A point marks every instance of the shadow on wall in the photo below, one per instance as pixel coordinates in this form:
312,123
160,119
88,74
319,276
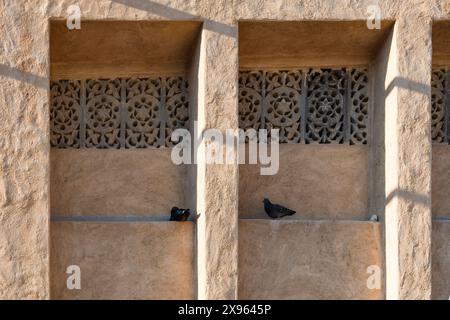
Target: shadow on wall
417,198
24,76
174,14
404,83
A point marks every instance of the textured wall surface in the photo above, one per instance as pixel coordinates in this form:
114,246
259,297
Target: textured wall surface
218,194
116,182
412,157
307,260
121,54
152,260
440,181
317,181
24,132
288,44
441,260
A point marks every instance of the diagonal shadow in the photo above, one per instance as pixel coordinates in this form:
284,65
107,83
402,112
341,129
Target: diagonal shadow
23,76
172,13
404,83
416,198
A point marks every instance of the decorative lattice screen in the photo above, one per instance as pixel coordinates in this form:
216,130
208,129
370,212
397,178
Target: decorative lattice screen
309,106
117,113
440,100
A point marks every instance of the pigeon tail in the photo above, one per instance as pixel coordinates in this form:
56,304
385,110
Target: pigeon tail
290,212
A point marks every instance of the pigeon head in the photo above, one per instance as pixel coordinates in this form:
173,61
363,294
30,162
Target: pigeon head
174,210
266,201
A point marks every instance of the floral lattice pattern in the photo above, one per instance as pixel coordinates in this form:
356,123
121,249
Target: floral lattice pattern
65,114
325,106
117,113
308,106
439,120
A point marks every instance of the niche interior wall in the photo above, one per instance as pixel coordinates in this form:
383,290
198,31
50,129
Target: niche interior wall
316,82
440,170
118,89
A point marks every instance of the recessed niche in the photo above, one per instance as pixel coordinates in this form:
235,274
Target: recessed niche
308,260
112,49
118,90
440,110
314,81
440,169
323,84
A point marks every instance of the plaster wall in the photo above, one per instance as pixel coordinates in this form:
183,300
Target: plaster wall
25,72
308,259
318,181
123,260
116,183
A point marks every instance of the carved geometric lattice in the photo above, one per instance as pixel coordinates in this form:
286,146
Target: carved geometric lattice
250,99
117,113
102,114
308,106
176,106
358,106
143,121
439,120
325,106
283,90
65,114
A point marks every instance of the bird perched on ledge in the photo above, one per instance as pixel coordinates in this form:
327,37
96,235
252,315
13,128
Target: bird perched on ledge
276,211
177,214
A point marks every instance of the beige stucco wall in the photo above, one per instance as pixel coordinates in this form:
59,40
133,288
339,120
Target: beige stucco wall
116,182
120,260
24,133
314,180
308,259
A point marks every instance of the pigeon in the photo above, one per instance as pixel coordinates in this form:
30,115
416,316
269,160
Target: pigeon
177,214
276,211
374,217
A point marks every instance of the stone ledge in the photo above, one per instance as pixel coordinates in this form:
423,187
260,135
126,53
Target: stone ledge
150,260
288,259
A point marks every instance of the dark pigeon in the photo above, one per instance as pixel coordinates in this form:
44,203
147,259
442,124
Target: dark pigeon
276,211
177,214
